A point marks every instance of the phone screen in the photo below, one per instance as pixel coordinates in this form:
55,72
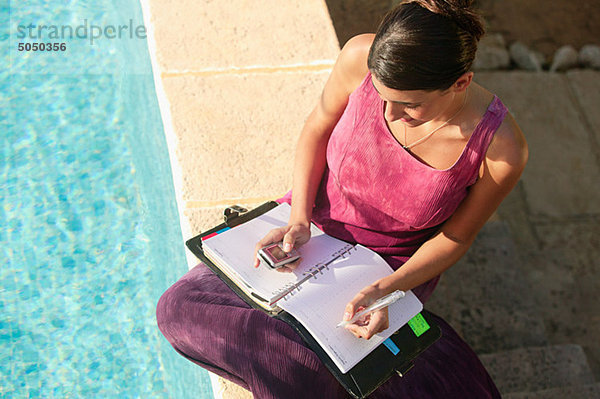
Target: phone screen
277,252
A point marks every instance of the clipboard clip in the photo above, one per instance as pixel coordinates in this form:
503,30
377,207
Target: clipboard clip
232,212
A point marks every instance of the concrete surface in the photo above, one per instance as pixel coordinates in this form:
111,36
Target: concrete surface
587,391
538,368
235,82
547,110
482,296
241,126
212,35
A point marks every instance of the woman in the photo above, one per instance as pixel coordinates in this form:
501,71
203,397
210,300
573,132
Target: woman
404,154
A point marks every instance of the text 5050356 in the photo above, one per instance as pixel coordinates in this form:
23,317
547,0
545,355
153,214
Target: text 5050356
42,47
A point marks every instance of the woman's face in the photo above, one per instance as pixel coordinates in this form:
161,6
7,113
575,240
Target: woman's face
414,107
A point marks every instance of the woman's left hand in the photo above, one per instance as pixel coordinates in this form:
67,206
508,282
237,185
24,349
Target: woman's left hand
371,324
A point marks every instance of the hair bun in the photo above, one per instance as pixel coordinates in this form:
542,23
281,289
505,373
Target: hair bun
458,10
455,7
457,3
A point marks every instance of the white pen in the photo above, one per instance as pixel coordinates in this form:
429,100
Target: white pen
375,306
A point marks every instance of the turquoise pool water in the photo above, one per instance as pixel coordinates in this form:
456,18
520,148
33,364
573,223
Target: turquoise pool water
90,232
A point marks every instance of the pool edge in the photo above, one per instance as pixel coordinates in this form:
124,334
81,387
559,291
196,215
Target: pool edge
171,139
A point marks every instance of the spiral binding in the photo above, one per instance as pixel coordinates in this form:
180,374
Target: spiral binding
291,288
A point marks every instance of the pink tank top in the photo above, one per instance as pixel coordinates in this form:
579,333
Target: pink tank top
376,194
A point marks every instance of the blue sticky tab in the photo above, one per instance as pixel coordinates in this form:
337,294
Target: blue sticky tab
391,345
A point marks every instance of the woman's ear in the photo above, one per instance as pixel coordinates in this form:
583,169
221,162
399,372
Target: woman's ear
463,82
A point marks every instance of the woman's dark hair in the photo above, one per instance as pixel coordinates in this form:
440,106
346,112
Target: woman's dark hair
425,44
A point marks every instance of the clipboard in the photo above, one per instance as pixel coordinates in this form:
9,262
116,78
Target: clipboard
395,357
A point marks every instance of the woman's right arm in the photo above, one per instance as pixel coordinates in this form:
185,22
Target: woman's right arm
348,72
310,159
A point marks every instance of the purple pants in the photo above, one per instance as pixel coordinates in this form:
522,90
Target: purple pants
210,325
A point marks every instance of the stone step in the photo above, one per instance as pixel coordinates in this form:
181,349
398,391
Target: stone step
587,391
486,296
538,368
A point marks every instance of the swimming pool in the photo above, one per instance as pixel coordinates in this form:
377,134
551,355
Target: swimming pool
90,232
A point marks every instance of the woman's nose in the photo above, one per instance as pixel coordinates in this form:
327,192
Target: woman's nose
393,111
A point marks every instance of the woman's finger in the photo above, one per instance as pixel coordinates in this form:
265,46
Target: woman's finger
272,236
358,331
295,237
290,267
289,240
353,306
379,322
373,324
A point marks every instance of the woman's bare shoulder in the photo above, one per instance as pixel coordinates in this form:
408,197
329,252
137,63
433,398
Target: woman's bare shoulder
508,149
352,61
508,145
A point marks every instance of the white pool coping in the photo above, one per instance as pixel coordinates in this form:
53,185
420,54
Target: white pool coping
171,139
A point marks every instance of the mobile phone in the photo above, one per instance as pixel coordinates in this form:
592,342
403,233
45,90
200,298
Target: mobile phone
274,257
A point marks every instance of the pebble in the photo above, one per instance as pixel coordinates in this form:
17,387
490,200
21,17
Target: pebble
492,53
589,56
564,58
524,58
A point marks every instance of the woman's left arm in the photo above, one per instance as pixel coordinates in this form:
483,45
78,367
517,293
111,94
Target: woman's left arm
504,162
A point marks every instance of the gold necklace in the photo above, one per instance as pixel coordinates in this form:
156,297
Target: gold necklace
428,135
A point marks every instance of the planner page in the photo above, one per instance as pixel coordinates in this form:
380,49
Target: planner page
319,305
233,250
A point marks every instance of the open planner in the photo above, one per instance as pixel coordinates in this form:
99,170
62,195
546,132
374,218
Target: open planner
330,274
313,297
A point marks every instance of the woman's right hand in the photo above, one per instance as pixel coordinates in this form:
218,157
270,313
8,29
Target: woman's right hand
292,235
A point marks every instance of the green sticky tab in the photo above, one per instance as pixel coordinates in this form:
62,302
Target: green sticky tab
418,324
